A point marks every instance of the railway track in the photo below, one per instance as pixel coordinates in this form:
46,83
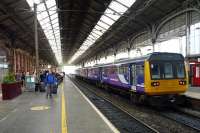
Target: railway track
178,120
123,120
183,118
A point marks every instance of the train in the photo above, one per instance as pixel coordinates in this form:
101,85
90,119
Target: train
159,77
194,71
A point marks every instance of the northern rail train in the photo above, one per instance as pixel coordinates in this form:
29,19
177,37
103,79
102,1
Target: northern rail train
156,77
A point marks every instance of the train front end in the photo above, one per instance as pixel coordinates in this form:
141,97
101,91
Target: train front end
165,74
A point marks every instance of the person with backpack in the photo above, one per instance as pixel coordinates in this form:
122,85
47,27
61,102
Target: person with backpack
50,82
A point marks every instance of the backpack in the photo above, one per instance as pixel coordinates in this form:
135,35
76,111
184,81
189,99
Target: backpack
50,78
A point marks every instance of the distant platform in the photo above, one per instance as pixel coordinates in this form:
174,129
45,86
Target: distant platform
193,92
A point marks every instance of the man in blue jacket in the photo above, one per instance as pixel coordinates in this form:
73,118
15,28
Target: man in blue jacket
50,81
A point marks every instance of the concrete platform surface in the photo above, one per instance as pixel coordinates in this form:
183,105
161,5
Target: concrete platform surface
30,113
193,92
82,118
67,112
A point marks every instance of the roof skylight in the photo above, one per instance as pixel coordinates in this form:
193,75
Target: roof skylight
114,11
48,18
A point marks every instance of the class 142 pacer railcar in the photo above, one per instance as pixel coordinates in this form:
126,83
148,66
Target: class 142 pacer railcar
155,77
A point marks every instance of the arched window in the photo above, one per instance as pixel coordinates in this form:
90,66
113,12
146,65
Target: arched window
3,63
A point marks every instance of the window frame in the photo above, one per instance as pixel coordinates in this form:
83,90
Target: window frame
160,70
183,69
162,73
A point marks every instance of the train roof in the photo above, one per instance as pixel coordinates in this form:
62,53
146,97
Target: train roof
156,56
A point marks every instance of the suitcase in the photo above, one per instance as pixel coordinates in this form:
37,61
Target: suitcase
55,88
37,86
42,87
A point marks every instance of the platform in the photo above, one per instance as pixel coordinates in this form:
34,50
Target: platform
68,112
193,92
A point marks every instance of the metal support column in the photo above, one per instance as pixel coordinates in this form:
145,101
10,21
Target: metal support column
115,56
128,49
188,21
153,44
153,36
36,39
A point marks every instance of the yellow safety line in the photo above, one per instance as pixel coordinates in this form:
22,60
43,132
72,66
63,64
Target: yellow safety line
51,131
63,112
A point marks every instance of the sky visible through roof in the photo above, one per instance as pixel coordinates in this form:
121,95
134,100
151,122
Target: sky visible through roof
48,18
114,11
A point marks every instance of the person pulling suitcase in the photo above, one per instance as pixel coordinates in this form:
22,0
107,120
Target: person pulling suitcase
55,88
49,83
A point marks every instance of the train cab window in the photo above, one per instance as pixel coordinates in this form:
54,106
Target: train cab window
180,70
155,71
168,70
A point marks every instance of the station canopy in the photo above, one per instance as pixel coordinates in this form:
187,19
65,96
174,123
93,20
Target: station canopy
91,28
114,11
87,27
47,16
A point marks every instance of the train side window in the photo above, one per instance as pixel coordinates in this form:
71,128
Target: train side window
168,70
155,71
114,70
140,70
123,69
120,70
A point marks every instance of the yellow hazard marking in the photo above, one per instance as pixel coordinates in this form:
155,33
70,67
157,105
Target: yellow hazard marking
51,131
38,108
63,112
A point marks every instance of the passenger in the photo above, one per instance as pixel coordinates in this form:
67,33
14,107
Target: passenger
42,76
18,76
23,78
50,81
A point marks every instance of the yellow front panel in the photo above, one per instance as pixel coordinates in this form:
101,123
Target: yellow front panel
168,86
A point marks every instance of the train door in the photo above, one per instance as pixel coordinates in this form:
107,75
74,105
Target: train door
193,68
140,75
196,75
100,74
137,83
134,77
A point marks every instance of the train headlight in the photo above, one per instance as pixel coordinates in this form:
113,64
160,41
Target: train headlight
182,82
155,84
